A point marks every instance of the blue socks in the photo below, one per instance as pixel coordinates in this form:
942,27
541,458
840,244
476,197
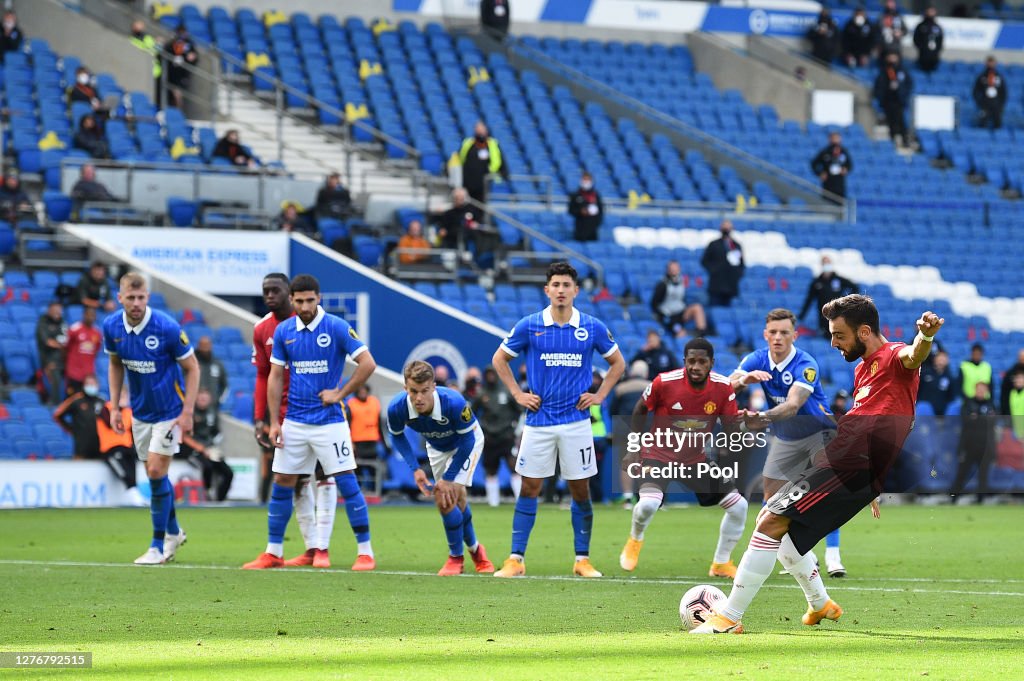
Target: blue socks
832,540
355,506
161,503
453,520
522,523
582,524
468,533
279,512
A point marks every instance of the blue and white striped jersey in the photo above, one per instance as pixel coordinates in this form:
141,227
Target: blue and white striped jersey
314,356
449,421
150,353
799,369
559,362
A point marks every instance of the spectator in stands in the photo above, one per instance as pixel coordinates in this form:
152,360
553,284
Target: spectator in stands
977,440
480,156
858,39
364,422
443,377
893,86
656,357
202,447
212,374
291,220
840,403
1008,380
825,288
928,38
118,449
230,148
84,343
14,202
180,53
723,260
974,371
413,238
141,40
626,394
89,137
990,96
824,37
938,387
671,307
891,29
88,188
586,206
458,223
832,164
51,337
494,17
333,200
93,289
77,417
471,383
11,38
83,91
498,414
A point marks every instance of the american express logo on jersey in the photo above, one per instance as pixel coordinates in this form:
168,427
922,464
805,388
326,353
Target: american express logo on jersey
562,359
139,366
312,366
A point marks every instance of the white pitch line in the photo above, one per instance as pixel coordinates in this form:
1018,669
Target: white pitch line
555,578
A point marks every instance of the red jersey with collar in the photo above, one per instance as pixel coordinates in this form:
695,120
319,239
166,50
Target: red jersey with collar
262,344
84,342
678,406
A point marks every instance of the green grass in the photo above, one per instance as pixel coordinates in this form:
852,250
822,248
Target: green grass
933,592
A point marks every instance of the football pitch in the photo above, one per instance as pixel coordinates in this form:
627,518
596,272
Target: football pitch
933,593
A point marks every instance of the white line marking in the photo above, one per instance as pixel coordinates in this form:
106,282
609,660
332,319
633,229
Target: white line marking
557,578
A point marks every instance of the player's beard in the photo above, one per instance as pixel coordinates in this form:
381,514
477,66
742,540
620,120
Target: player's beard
856,352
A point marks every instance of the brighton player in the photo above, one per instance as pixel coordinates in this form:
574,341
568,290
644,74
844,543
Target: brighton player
454,444
801,421
849,477
316,499
313,350
691,401
150,348
558,344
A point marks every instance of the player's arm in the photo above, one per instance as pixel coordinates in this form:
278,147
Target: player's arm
795,399
275,387
913,356
60,411
190,367
502,365
399,440
365,366
616,367
746,374
115,376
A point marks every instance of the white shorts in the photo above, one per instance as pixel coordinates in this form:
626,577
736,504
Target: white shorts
787,459
305,444
570,444
439,460
163,437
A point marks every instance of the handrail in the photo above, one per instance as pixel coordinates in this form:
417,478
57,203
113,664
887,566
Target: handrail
720,145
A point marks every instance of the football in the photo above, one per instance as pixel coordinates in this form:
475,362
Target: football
696,605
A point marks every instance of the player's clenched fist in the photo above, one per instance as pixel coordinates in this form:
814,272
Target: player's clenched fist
930,323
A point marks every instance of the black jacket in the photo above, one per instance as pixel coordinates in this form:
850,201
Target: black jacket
333,203
890,30
937,389
10,42
824,289
497,411
825,162
723,276
659,360
858,40
824,38
495,15
587,224
981,85
457,221
928,38
893,85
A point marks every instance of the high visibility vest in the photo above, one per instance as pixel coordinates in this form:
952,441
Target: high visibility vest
973,374
148,44
494,152
597,424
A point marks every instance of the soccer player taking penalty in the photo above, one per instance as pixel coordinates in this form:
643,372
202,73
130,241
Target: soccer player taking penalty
313,349
849,476
149,347
454,444
558,344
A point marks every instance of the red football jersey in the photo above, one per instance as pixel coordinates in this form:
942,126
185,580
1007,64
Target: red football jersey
883,386
262,344
677,405
83,344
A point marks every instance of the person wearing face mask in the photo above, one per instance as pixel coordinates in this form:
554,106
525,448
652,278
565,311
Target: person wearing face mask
77,417
892,92
586,206
202,447
230,148
12,37
83,91
480,156
825,288
891,28
723,260
858,39
824,37
990,96
670,306
141,40
832,164
928,39
212,374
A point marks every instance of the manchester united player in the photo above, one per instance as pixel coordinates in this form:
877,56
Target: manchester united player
316,503
84,342
692,399
850,475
